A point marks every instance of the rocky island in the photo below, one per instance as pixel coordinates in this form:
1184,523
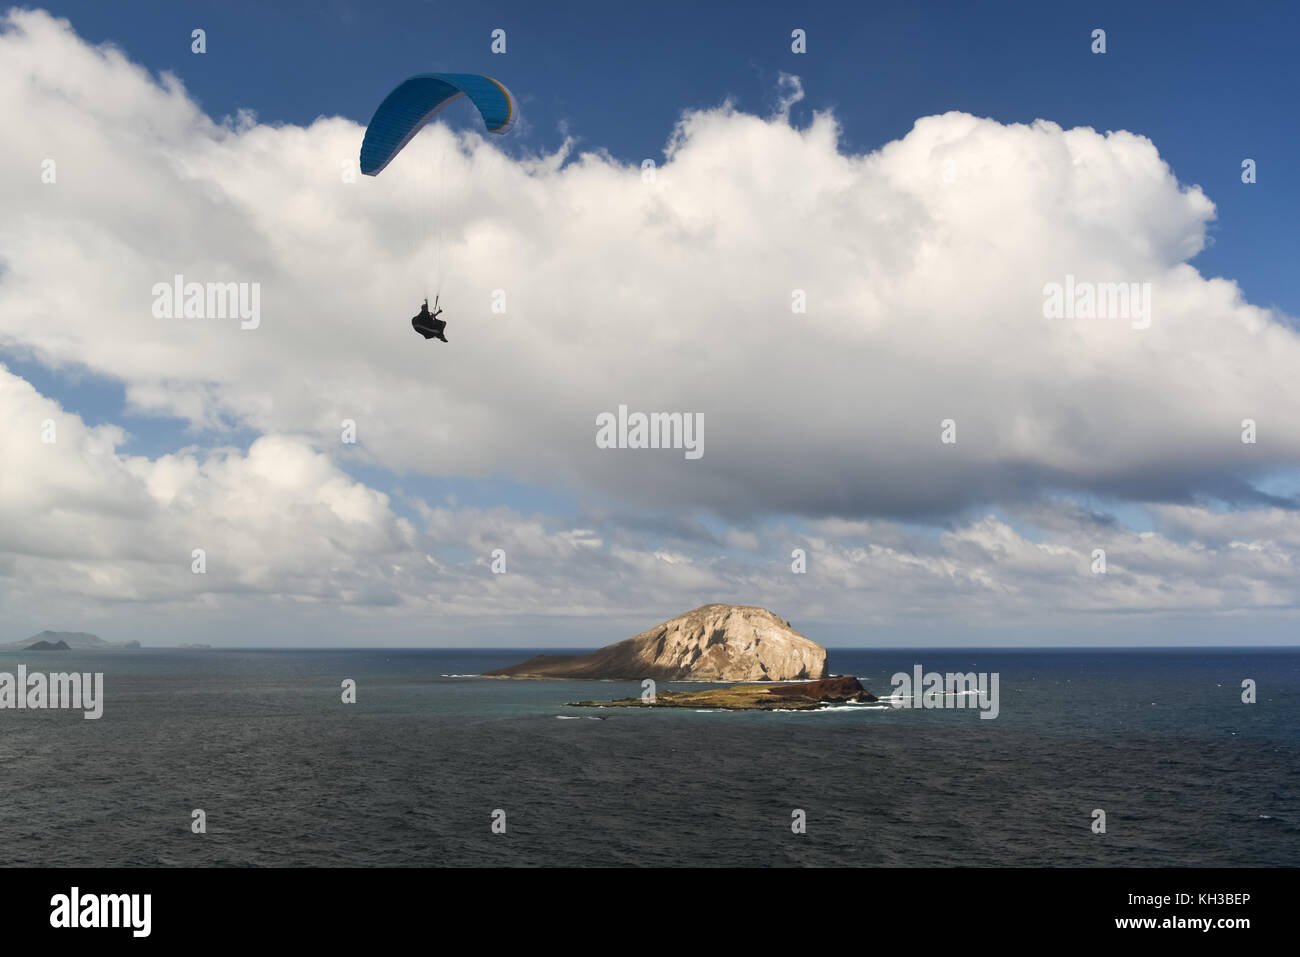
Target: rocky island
48,646
789,697
741,643
711,643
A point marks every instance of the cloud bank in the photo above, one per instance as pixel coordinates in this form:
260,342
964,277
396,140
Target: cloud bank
825,313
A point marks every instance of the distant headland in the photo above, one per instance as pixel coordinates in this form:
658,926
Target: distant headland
48,646
70,640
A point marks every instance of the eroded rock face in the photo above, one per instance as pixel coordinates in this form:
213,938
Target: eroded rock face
711,643
843,688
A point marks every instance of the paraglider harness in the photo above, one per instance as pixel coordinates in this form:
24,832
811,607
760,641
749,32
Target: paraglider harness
428,324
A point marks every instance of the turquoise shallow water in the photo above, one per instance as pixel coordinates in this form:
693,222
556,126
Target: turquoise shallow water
410,774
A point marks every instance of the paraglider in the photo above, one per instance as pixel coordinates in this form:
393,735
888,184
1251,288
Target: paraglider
404,112
418,100
428,324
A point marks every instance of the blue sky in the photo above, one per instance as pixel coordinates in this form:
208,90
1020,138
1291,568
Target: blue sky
1208,84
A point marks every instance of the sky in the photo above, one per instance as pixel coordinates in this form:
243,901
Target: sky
838,261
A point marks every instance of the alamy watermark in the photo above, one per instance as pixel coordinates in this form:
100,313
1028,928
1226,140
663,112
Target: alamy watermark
75,909
930,689
1098,300
179,299
38,691
653,430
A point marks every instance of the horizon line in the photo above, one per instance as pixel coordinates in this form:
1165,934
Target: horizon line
537,648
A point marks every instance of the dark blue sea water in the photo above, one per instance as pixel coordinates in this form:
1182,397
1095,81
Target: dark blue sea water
410,775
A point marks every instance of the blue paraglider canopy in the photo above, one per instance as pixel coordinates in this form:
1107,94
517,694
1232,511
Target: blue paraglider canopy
418,99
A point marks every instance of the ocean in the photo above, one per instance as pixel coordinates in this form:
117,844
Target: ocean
412,773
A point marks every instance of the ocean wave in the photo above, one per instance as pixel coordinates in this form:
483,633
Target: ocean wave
869,706
913,697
